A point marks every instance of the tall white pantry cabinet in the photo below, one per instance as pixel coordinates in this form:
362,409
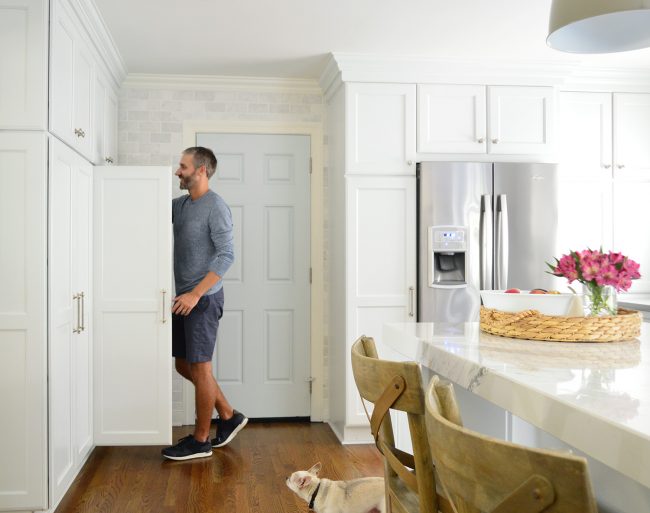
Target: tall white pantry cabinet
85,258
371,138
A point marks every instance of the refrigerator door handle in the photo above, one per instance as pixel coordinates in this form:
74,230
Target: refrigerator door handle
502,249
485,242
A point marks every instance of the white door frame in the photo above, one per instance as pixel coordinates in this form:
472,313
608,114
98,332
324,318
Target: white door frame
317,292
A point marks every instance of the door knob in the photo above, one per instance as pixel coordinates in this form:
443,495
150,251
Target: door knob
409,162
481,140
495,141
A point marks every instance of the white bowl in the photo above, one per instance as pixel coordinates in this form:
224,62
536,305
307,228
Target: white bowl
547,304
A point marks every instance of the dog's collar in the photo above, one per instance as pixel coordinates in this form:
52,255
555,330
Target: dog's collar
313,497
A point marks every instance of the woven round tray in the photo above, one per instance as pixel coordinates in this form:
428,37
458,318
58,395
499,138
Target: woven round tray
532,325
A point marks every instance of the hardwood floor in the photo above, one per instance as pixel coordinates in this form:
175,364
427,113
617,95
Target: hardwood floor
248,475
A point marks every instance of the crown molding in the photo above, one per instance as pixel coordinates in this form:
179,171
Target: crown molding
93,23
345,67
214,82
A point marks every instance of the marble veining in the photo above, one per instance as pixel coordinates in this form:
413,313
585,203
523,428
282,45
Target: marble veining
594,396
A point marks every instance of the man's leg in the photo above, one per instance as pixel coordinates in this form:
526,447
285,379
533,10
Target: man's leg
221,403
208,394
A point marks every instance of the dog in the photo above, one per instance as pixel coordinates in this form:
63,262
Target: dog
365,495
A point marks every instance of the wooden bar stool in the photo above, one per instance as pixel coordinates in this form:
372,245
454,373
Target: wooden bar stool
410,484
481,473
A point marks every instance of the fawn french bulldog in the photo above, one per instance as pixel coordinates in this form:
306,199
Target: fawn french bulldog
365,495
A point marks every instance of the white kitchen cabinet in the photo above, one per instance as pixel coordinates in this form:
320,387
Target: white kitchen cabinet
23,61
585,171
105,122
72,81
475,119
380,129
23,320
631,135
451,118
599,192
70,321
132,335
372,258
381,270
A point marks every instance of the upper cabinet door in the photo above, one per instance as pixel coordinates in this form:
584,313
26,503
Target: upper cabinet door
23,61
631,135
585,135
380,129
71,78
104,122
451,119
520,120
132,310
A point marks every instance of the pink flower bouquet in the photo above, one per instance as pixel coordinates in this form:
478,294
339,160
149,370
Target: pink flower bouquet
596,270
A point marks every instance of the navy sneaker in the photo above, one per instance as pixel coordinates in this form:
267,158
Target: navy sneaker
188,448
228,429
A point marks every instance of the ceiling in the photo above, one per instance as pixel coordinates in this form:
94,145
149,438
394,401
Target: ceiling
292,38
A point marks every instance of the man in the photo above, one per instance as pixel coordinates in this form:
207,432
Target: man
203,252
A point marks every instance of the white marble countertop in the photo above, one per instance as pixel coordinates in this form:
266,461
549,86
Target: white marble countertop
593,396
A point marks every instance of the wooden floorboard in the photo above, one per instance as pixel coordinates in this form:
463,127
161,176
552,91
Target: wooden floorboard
248,475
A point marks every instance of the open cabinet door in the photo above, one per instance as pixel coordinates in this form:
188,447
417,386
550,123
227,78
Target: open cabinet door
132,314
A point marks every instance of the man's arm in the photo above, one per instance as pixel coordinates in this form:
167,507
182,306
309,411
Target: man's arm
184,303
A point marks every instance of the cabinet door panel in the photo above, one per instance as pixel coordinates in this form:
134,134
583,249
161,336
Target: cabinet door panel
630,227
451,119
23,61
110,127
585,135
132,292
520,119
631,135
82,285
380,134
83,100
62,74
23,311
380,260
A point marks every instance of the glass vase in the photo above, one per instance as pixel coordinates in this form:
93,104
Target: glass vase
599,300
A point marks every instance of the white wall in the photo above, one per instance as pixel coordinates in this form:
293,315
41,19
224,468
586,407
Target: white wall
151,115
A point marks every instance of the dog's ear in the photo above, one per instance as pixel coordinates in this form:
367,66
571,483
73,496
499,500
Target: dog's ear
304,481
315,469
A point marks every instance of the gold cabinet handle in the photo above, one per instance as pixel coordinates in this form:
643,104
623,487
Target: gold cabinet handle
164,312
83,311
77,329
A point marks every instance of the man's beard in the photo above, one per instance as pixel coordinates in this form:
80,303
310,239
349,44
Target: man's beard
188,182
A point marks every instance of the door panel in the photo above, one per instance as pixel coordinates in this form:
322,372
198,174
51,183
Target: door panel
132,290
450,195
630,229
262,356
63,320
531,191
23,318
451,118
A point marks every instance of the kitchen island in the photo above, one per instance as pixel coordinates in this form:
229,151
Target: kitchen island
590,398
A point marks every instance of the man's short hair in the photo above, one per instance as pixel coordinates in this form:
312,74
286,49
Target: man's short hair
203,157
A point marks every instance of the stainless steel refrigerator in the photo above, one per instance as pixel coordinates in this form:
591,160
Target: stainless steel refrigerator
482,226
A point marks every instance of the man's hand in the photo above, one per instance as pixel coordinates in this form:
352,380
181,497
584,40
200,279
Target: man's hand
184,303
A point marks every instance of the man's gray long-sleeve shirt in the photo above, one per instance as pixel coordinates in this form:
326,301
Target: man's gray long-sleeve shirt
202,240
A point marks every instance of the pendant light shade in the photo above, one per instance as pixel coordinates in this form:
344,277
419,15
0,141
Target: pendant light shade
599,26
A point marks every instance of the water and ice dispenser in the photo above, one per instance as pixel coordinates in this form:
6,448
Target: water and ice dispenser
447,257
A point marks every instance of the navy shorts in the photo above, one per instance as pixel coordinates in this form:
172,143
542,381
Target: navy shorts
195,335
